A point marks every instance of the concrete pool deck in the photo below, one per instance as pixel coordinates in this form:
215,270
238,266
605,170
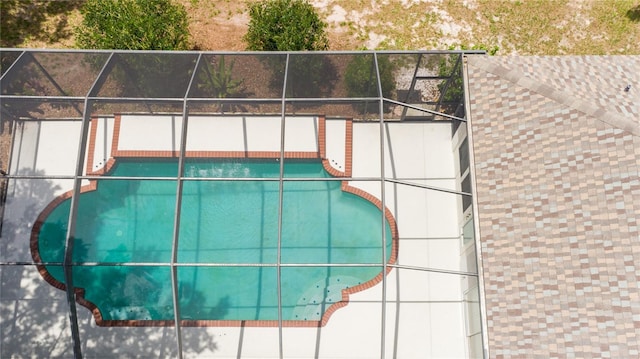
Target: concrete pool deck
424,310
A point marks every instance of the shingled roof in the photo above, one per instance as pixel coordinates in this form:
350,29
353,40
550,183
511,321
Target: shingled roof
556,146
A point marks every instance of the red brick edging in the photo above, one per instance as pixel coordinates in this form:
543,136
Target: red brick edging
115,153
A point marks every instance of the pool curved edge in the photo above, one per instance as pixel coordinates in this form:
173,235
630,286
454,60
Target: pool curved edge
79,292
345,187
35,248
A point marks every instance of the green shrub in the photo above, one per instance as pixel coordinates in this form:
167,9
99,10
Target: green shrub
221,81
361,80
452,90
285,25
217,81
133,25
634,13
309,75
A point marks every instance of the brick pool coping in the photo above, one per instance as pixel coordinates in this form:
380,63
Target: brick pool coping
116,153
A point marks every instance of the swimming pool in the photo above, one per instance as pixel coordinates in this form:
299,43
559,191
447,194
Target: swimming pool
227,247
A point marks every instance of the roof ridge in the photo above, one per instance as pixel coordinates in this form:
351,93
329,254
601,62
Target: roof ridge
515,76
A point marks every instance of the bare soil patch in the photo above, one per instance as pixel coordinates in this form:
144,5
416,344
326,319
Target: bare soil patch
221,25
217,25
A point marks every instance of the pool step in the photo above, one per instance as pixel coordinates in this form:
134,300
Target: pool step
319,295
127,313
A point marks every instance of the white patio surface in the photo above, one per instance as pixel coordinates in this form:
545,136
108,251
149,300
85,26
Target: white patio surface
423,313
207,133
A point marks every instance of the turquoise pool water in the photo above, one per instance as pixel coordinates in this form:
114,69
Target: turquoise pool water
132,221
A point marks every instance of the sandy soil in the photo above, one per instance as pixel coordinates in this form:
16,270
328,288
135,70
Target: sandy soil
352,25
220,25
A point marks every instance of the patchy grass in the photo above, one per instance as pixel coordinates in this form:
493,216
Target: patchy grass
557,27
388,24
615,31
527,27
520,27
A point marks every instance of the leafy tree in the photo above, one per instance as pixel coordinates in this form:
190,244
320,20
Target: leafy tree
133,25
285,25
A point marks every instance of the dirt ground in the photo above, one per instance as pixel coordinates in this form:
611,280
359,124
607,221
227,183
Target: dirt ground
217,25
220,25
213,24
